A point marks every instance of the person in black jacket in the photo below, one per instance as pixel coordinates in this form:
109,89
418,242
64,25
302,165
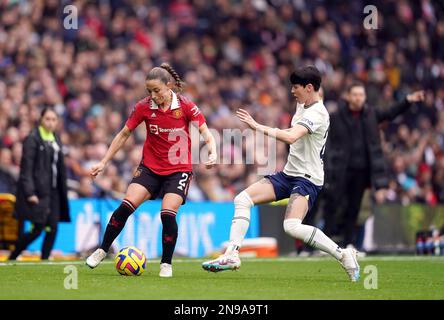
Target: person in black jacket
42,189
354,159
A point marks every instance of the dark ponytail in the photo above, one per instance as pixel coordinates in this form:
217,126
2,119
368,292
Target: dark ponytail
178,81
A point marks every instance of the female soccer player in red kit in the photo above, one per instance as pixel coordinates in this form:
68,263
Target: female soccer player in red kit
165,170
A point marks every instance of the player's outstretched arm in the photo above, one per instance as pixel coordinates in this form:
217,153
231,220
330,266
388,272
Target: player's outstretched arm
117,143
211,144
288,136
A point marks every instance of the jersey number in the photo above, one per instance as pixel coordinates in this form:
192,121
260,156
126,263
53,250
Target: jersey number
321,155
183,181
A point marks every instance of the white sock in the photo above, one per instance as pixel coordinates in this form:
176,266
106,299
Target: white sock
312,236
240,222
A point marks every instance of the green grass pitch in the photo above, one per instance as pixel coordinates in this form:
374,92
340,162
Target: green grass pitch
283,278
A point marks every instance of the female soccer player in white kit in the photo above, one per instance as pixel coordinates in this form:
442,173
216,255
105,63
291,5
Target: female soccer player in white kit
301,180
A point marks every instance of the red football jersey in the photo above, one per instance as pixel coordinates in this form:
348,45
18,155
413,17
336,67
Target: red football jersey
167,148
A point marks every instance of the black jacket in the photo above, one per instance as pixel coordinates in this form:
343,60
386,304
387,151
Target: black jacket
338,149
36,179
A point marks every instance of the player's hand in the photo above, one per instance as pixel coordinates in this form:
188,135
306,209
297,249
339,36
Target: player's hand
33,199
96,169
416,96
212,157
245,117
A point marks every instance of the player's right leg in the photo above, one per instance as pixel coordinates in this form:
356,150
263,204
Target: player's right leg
135,196
298,206
259,192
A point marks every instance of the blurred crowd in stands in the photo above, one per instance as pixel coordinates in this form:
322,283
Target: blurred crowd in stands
231,54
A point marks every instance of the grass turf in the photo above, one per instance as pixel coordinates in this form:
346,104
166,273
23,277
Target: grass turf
298,278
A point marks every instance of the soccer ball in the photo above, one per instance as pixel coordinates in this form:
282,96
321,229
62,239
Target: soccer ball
130,261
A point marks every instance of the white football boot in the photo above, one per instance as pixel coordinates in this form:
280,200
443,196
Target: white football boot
227,261
166,270
350,263
95,258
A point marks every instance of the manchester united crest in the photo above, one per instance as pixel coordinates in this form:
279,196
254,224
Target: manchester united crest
177,113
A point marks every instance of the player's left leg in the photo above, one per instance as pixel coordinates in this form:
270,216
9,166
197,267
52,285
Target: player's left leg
175,189
297,208
170,205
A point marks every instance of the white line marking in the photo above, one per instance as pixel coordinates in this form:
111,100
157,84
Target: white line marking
199,261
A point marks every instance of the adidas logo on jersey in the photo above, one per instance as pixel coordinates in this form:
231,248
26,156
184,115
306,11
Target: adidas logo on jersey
153,115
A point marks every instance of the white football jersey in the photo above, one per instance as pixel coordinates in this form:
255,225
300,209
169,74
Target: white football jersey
306,154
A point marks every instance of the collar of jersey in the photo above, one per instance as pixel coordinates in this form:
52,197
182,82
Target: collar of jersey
311,105
174,102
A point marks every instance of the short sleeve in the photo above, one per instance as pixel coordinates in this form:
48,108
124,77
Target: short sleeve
312,120
194,115
135,118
